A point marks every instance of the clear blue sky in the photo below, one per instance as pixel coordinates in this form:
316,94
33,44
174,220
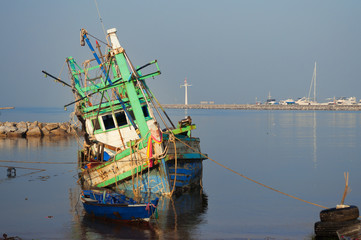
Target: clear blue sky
230,51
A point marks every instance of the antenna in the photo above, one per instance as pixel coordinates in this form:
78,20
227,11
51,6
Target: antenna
100,18
186,85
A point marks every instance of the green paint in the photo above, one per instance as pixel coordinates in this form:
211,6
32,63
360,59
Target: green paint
120,177
75,77
132,94
139,169
184,129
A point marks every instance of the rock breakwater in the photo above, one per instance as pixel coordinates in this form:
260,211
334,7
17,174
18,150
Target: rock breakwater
36,129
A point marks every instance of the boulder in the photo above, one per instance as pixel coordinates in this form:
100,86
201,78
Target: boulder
33,124
15,134
22,125
16,131
11,129
9,124
22,130
45,131
3,130
51,126
58,132
65,126
34,132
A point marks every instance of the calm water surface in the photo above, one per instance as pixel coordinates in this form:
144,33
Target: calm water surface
302,153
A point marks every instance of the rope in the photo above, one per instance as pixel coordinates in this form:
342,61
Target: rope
37,169
254,181
38,162
172,139
76,124
61,71
132,166
155,106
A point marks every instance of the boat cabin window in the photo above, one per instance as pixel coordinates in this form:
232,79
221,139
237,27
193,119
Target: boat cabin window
121,119
145,111
131,114
96,124
108,122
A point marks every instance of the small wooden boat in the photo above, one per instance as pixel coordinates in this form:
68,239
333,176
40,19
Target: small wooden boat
116,206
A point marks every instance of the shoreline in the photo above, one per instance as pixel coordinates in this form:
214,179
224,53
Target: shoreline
266,107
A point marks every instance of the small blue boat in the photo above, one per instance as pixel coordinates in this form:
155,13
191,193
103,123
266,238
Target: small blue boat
116,206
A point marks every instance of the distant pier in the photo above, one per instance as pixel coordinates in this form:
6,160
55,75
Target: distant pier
266,107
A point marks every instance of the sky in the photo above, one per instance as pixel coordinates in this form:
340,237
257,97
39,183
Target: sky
231,52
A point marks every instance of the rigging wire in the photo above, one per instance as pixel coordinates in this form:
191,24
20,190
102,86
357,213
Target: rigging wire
250,179
61,71
107,44
100,18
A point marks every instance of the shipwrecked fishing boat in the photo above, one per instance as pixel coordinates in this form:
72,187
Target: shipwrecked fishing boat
124,145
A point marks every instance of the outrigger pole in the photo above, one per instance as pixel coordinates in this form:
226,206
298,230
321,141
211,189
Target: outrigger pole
100,89
57,79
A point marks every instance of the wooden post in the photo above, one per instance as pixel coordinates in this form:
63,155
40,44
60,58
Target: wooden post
346,188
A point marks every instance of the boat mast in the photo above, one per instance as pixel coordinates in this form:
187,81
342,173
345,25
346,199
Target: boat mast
314,87
313,84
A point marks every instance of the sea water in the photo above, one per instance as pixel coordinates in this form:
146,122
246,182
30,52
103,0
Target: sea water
301,153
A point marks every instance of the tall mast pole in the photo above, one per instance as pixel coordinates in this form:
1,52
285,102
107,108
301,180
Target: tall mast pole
186,85
314,84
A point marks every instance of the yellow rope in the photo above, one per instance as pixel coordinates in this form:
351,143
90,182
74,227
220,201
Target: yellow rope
271,188
172,139
61,71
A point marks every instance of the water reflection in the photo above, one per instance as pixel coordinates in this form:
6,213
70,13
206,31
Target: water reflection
178,218
28,156
270,123
294,129
314,140
302,153
35,142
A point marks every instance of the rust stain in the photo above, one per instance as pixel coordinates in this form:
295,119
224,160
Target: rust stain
117,215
